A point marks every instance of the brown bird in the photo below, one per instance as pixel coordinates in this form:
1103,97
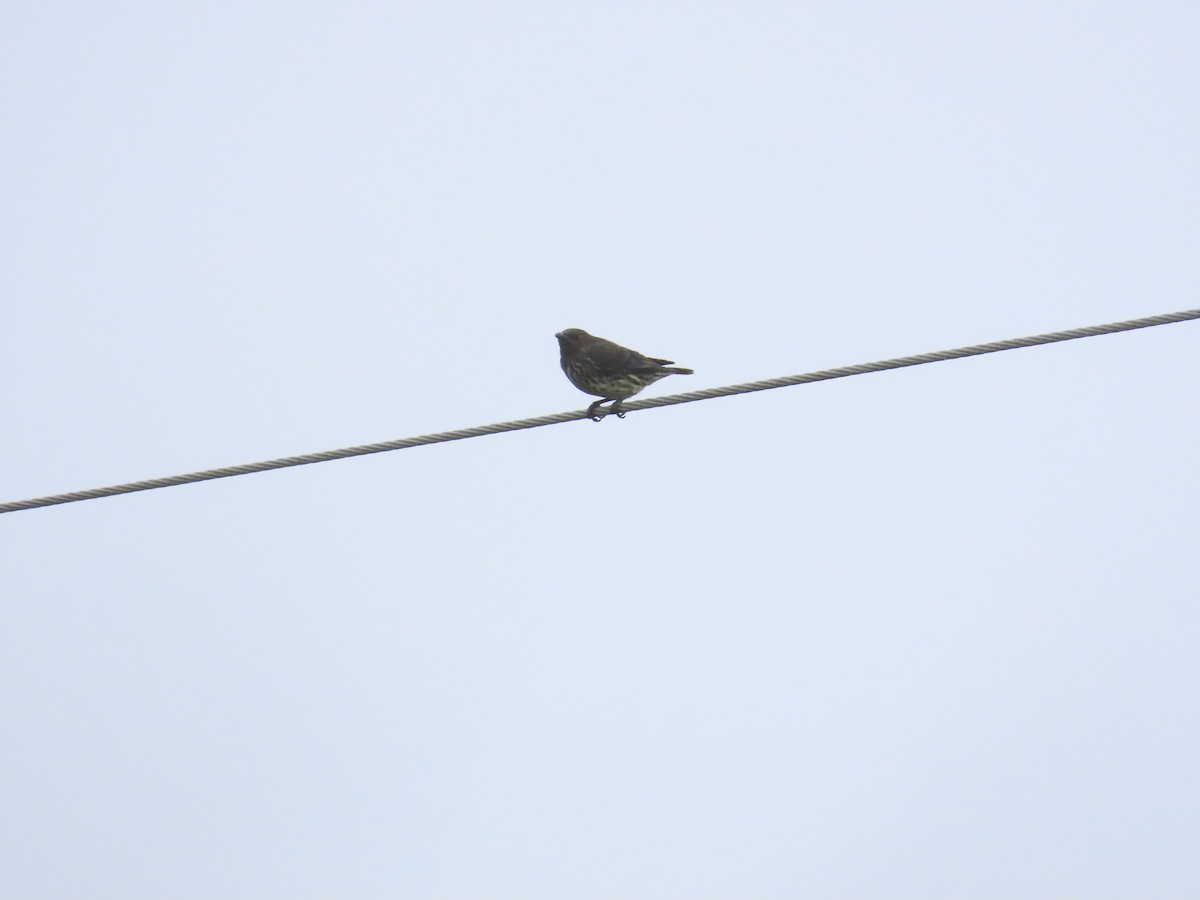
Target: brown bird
607,370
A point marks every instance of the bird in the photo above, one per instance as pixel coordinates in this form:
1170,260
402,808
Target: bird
607,370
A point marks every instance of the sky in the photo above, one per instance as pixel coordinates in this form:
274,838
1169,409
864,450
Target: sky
924,633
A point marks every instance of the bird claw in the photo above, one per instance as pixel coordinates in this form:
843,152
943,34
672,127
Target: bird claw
599,416
596,412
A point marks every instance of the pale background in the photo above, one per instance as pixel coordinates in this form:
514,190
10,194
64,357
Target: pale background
927,633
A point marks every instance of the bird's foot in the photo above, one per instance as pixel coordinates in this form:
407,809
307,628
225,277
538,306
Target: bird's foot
596,414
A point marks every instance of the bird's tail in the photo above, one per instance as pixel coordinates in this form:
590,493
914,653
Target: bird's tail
675,370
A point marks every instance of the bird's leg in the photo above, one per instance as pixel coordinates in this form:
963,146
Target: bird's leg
595,413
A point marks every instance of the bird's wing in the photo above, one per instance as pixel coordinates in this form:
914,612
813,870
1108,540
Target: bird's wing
613,359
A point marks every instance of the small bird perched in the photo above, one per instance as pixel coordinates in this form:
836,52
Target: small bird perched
607,370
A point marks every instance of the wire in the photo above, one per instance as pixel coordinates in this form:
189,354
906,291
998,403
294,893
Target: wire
539,421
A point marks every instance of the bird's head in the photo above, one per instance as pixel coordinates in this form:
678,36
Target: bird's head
572,337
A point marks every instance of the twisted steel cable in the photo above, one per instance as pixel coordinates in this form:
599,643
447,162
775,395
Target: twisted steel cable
650,403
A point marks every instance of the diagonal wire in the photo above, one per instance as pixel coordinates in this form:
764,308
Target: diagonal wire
557,418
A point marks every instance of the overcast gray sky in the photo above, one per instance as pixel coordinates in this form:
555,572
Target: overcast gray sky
927,633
